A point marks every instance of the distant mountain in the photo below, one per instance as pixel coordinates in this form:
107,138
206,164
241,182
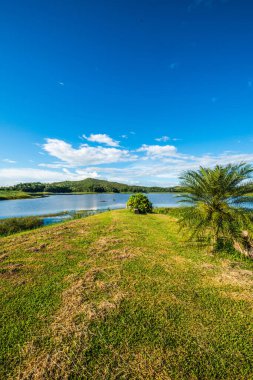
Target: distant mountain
99,185
87,185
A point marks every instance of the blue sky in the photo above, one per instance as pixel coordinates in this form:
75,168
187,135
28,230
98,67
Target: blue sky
128,90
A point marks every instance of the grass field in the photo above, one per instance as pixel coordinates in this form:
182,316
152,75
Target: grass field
5,195
122,296
9,194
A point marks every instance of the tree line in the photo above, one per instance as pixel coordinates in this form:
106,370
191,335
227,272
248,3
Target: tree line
89,185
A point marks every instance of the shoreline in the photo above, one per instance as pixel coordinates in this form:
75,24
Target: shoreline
23,195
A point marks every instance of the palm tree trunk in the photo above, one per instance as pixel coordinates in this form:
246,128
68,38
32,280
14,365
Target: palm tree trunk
215,239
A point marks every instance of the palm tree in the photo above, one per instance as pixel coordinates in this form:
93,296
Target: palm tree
219,202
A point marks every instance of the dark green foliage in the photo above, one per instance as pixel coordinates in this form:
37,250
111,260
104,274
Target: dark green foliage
57,188
33,187
89,185
12,225
139,202
219,202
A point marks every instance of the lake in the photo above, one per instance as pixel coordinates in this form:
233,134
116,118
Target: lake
68,202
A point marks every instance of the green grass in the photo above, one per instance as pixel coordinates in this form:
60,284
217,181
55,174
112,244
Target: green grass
12,194
11,226
122,296
8,194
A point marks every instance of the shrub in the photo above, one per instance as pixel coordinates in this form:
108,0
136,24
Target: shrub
140,203
13,225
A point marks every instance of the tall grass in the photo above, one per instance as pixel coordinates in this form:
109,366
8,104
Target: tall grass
12,225
8,194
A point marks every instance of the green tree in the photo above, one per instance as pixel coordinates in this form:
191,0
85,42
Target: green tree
140,203
219,202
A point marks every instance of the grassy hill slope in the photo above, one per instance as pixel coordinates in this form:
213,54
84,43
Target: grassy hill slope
122,296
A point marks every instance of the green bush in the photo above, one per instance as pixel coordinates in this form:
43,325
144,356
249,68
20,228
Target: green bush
140,203
13,225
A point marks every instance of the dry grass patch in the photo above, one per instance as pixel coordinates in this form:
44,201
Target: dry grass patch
70,327
180,260
242,295
11,269
3,257
141,363
105,244
124,253
149,365
208,266
235,277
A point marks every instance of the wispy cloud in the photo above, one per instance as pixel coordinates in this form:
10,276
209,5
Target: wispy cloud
161,170
162,139
166,138
149,164
102,139
8,161
158,151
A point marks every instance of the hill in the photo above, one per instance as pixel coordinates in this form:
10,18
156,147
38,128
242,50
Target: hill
123,296
98,185
83,186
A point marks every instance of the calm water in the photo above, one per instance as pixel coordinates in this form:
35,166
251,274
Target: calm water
58,203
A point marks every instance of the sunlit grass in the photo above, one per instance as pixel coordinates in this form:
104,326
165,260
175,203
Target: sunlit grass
124,296
8,194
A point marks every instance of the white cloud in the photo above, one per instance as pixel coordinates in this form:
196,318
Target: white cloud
56,165
17,175
158,151
102,139
166,138
163,138
89,173
8,161
85,155
148,165
159,170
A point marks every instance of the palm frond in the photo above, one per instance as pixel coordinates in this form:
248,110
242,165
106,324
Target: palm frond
219,200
